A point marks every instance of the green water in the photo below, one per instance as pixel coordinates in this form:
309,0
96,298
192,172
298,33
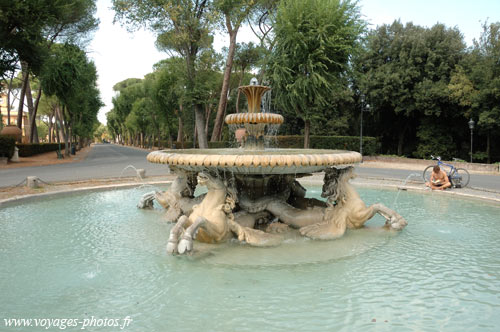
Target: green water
97,255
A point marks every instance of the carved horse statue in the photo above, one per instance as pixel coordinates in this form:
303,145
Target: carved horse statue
344,209
177,200
212,221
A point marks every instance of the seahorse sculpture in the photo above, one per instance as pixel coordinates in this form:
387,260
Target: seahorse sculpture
212,221
344,209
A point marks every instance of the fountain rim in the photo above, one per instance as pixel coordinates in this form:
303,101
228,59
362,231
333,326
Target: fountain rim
269,161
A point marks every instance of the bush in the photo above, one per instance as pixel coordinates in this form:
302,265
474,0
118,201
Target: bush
28,149
7,145
351,143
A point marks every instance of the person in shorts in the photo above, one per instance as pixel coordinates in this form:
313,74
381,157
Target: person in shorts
439,180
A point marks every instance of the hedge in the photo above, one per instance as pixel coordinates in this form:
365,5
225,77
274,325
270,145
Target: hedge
351,143
28,149
211,145
7,145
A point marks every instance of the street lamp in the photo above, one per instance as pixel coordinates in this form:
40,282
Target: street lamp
471,126
364,108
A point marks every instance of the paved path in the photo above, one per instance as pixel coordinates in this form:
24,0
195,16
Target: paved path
109,160
484,181
104,161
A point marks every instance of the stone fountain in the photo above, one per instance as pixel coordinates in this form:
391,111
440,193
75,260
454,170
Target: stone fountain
253,193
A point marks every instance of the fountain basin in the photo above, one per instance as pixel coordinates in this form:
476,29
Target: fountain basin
98,255
269,161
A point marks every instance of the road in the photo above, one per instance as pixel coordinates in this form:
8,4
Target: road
484,181
110,160
103,161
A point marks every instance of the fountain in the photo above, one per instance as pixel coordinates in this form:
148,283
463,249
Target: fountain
253,192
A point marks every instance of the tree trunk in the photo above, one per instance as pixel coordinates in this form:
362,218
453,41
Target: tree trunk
8,98
239,92
25,70
69,141
62,131
307,132
34,130
50,128
208,110
401,140
200,127
488,147
180,129
216,133
180,134
199,115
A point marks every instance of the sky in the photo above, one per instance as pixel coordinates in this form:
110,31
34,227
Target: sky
119,54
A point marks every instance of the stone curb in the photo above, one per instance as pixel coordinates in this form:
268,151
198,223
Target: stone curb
34,197
476,194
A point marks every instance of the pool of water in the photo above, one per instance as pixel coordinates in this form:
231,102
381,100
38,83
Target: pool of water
97,256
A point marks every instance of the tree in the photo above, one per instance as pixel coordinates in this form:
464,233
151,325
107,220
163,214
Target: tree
182,26
246,57
234,12
72,78
485,75
405,72
314,40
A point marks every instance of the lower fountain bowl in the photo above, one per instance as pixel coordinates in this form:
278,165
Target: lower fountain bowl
269,161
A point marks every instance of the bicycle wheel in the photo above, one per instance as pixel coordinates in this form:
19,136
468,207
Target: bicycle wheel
426,175
460,178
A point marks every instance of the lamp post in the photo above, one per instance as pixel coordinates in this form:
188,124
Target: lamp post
471,126
364,108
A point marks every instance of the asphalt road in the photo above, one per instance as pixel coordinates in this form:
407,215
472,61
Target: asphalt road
103,161
484,181
110,160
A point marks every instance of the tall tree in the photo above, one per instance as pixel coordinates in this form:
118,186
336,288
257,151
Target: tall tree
247,56
28,30
234,13
72,78
182,26
485,75
405,73
314,40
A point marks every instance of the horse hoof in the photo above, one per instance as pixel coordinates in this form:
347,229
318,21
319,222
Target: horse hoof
185,246
171,247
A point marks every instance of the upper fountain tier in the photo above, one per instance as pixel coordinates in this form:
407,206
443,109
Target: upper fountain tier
254,121
254,159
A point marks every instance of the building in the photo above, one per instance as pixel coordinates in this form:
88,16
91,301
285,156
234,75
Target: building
13,114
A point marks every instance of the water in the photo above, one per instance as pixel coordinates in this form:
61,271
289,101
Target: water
402,187
98,255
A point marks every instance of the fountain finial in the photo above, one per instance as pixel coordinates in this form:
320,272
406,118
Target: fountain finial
254,81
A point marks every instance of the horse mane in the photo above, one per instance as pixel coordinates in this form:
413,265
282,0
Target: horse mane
336,184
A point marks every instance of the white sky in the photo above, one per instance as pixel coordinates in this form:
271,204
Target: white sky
119,55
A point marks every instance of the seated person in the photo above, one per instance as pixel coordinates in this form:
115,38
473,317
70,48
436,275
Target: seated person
439,179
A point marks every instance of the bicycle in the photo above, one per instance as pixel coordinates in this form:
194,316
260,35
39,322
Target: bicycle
459,177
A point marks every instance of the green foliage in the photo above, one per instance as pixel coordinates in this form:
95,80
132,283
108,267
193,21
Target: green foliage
480,156
434,140
42,130
7,145
405,74
72,78
31,149
28,27
313,44
351,143
314,39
